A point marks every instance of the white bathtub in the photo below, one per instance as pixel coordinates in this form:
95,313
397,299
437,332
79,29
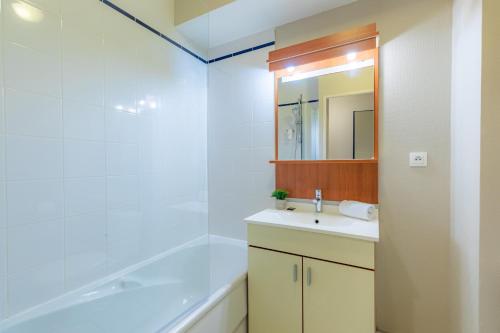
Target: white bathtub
187,289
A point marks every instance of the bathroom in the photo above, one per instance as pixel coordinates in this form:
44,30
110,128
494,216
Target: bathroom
141,143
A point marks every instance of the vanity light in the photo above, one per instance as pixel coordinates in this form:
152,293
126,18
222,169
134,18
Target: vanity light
331,70
352,56
290,69
27,12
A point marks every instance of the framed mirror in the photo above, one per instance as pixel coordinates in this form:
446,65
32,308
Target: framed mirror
329,116
326,108
326,116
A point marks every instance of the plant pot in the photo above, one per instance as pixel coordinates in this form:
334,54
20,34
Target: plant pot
280,204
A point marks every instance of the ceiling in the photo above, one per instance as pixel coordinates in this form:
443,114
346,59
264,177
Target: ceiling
242,18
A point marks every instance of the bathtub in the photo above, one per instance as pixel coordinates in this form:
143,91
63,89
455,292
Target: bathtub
197,287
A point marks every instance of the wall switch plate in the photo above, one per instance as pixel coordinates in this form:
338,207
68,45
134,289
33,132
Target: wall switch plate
418,160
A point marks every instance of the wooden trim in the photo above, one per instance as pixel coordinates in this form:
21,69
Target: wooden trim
314,258
276,116
339,51
376,101
323,162
328,42
338,181
326,63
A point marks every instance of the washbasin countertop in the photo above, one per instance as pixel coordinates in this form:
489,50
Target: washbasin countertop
330,222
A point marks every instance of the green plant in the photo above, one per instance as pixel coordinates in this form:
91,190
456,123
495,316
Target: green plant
280,194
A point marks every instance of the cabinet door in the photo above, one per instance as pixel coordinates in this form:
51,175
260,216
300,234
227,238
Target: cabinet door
338,298
274,292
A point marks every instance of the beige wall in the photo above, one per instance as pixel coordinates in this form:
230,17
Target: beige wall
413,255
490,177
186,10
465,136
338,84
340,129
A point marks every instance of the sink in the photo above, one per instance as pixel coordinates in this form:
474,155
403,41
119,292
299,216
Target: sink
329,222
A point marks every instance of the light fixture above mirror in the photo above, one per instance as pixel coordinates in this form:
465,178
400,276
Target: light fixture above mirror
296,76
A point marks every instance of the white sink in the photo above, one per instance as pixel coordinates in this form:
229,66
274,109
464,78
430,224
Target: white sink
328,222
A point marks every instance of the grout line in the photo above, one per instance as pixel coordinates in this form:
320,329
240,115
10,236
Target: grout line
106,125
5,287
63,180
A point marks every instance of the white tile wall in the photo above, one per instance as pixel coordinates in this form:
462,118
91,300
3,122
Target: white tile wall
34,245
102,132
34,201
84,158
241,137
84,195
33,158
35,286
2,115
3,253
85,248
83,57
44,36
32,71
122,159
3,205
2,156
3,300
83,121
33,114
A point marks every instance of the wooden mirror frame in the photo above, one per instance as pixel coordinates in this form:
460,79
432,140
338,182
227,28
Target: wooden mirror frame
339,179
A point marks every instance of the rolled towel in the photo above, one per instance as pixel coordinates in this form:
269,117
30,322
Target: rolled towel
358,210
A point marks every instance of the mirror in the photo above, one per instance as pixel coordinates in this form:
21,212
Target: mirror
327,114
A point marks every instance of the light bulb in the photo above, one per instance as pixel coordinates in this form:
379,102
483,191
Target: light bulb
352,56
27,12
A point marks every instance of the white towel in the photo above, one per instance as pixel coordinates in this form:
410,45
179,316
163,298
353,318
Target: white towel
358,210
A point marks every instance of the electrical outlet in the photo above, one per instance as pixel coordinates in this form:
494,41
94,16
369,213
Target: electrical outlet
418,160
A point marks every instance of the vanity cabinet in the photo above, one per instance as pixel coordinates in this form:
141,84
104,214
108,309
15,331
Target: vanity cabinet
337,298
306,282
276,283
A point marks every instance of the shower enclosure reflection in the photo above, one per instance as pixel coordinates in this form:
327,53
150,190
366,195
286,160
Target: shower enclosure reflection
301,130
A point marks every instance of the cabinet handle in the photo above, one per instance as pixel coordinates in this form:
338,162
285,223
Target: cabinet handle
309,276
295,272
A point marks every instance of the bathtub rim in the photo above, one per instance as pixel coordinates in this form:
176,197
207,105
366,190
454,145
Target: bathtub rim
72,297
193,316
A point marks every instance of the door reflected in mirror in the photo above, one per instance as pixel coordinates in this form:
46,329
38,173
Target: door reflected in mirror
327,114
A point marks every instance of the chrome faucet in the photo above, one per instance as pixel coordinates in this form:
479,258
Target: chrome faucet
318,202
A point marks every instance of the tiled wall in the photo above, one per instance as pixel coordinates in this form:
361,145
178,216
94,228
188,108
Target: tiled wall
241,136
102,147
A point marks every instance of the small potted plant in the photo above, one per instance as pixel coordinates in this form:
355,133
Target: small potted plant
280,196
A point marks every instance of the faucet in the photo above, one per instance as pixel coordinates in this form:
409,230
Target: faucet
318,202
